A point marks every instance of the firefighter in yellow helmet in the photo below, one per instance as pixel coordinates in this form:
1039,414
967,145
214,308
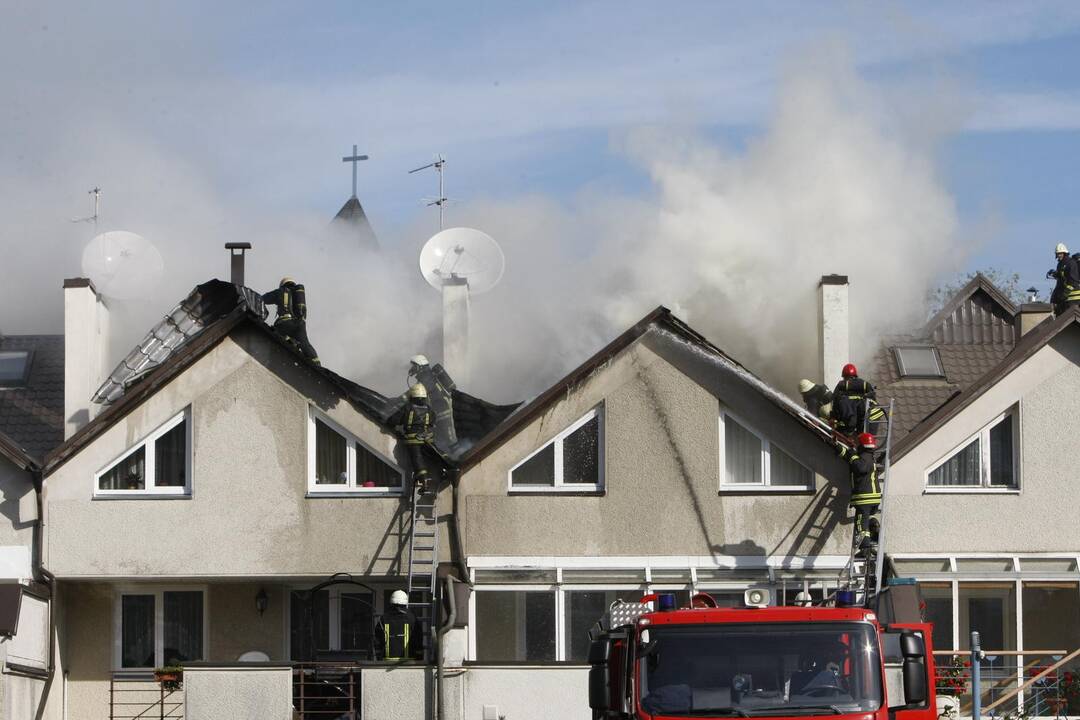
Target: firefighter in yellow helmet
1066,292
416,423
291,322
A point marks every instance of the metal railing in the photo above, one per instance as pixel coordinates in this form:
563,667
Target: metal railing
1031,683
144,699
326,691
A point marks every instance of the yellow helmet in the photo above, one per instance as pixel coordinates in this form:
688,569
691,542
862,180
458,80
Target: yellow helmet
805,386
1061,249
286,281
418,391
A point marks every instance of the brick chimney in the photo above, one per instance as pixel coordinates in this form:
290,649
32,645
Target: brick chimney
1031,314
86,335
834,346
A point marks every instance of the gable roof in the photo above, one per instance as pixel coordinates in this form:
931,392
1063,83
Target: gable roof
1029,344
32,415
17,455
660,318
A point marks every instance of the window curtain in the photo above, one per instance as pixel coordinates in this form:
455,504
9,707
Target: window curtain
784,470
183,631
371,469
961,469
742,454
1001,453
170,454
128,474
137,631
330,460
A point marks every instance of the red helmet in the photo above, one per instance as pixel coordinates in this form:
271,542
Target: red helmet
849,371
867,440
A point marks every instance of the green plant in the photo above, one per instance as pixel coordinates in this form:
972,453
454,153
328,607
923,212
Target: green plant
1070,690
951,678
171,677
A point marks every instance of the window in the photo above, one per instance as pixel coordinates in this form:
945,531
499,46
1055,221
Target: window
987,460
939,611
337,619
15,367
159,465
919,361
338,462
572,460
515,626
748,461
159,627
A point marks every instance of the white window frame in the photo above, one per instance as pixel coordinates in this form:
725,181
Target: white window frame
149,463
158,591
350,488
765,485
983,435
560,486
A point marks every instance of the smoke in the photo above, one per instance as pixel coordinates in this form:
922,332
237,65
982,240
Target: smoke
732,239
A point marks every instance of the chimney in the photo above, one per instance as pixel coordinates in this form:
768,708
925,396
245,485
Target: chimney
833,343
1031,314
455,292
86,333
237,261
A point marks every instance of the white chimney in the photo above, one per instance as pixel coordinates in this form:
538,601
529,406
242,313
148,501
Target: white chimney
833,325
86,333
455,360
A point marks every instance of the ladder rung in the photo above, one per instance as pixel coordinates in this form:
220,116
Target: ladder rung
426,548
421,533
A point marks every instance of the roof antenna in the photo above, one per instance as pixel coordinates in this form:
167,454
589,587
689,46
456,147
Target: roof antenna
440,161
96,192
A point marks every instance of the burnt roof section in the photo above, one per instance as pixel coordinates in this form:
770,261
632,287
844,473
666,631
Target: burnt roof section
352,221
1027,346
32,412
660,318
972,333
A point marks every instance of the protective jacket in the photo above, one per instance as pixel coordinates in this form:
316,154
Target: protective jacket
849,404
864,482
440,388
416,423
397,627
291,302
815,397
1067,285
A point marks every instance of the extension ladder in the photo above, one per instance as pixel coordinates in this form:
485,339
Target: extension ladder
423,560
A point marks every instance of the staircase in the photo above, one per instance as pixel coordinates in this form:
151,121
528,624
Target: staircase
423,561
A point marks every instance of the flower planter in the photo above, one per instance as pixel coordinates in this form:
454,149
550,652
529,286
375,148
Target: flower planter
170,680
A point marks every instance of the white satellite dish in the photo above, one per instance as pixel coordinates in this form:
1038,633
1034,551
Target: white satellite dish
122,264
462,254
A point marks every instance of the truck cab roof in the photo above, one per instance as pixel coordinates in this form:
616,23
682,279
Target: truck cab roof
697,616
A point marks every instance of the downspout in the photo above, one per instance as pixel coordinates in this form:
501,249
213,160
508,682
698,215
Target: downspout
451,618
457,548
42,575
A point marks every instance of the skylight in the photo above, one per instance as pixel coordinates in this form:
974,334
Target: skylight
14,367
919,361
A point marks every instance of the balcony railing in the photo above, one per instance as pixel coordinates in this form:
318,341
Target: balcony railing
145,699
1014,684
326,691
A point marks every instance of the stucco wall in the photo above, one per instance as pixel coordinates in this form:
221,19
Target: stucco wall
399,693
527,693
662,475
86,645
1042,516
247,514
238,693
235,626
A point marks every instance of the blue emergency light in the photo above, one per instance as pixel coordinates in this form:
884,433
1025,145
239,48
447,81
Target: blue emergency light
845,598
665,601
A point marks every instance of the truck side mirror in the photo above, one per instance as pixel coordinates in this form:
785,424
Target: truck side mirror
599,651
600,674
914,682
912,645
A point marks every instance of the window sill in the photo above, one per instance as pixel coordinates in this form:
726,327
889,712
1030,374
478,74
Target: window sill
765,490
312,494
970,491
564,491
138,495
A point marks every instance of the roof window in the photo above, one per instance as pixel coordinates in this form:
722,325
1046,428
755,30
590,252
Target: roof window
919,361
14,367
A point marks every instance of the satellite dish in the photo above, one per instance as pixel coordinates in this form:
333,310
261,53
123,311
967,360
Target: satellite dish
462,254
122,265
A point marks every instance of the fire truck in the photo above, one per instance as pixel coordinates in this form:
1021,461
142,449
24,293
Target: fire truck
652,660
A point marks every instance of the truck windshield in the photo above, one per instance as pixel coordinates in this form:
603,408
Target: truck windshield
759,670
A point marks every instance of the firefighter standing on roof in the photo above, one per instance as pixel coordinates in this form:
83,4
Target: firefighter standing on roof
1067,274
865,490
416,423
849,401
816,397
291,321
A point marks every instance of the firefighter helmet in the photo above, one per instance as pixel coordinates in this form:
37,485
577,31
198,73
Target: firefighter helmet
805,386
1061,249
286,281
867,440
399,597
418,391
849,371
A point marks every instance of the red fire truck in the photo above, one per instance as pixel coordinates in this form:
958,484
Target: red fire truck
653,661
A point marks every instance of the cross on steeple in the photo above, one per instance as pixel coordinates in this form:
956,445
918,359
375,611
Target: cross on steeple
354,159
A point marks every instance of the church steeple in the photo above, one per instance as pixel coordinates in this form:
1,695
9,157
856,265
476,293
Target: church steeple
351,220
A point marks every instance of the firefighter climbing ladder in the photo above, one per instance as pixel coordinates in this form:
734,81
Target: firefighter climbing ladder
423,559
863,575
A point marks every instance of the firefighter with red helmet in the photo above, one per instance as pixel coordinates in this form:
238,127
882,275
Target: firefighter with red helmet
865,491
850,401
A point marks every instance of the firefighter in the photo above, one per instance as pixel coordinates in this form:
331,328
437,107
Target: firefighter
416,422
397,627
849,401
865,491
291,320
1067,274
440,389
816,397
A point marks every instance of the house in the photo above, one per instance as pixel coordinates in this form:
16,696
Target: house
31,422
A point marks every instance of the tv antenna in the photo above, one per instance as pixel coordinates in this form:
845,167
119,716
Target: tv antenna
440,161
96,192
355,160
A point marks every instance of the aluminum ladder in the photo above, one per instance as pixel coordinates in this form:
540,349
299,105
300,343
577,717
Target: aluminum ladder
423,561
864,574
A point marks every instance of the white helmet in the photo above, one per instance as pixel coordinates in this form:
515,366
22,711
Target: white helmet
1061,249
399,597
805,386
419,360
